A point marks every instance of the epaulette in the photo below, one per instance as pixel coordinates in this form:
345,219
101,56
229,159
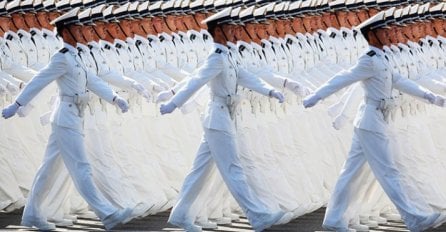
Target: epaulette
192,37
33,33
289,41
371,53
9,37
63,50
162,38
333,35
118,46
107,47
218,50
241,48
90,46
138,43
344,34
431,43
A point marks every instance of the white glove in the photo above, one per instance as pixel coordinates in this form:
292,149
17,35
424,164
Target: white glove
24,110
168,108
439,101
311,100
157,88
277,95
164,96
141,91
12,89
430,97
10,111
340,121
121,103
297,88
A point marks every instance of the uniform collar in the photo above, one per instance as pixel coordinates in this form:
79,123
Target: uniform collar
94,44
378,51
70,48
83,47
223,48
256,46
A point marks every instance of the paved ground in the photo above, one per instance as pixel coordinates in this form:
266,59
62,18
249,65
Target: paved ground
307,223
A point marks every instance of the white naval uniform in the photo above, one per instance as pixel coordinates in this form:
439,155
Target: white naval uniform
218,143
370,140
66,140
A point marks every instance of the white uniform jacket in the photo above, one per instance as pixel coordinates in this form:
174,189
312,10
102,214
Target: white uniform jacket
377,79
72,77
222,75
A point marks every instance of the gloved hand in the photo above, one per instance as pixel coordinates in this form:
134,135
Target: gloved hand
24,110
168,108
142,91
277,95
311,100
12,88
164,96
340,121
121,103
430,97
10,110
157,88
439,101
297,88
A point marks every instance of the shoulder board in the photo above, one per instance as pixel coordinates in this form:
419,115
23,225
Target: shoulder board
118,46
371,53
63,50
107,47
162,38
218,50
90,46
289,41
332,35
192,37
9,37
241,48
138,43
33,33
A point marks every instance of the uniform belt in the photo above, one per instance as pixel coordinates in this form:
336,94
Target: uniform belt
373,102
218,99
69,99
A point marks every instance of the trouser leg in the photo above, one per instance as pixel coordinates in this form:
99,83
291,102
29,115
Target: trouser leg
72,149
45,177
346,187
224,152
192,185
377,151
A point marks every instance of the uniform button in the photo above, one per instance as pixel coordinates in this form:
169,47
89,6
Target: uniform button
222,107
69,105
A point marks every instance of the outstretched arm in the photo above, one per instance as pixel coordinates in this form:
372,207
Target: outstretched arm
361,71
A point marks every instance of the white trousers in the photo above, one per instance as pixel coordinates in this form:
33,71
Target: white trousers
67,146
374,148
218,148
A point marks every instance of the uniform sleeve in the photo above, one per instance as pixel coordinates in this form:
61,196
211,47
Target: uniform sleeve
116,79
210,69
361,71
271,78
248,80
17,70
55,69
99,87
408,86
